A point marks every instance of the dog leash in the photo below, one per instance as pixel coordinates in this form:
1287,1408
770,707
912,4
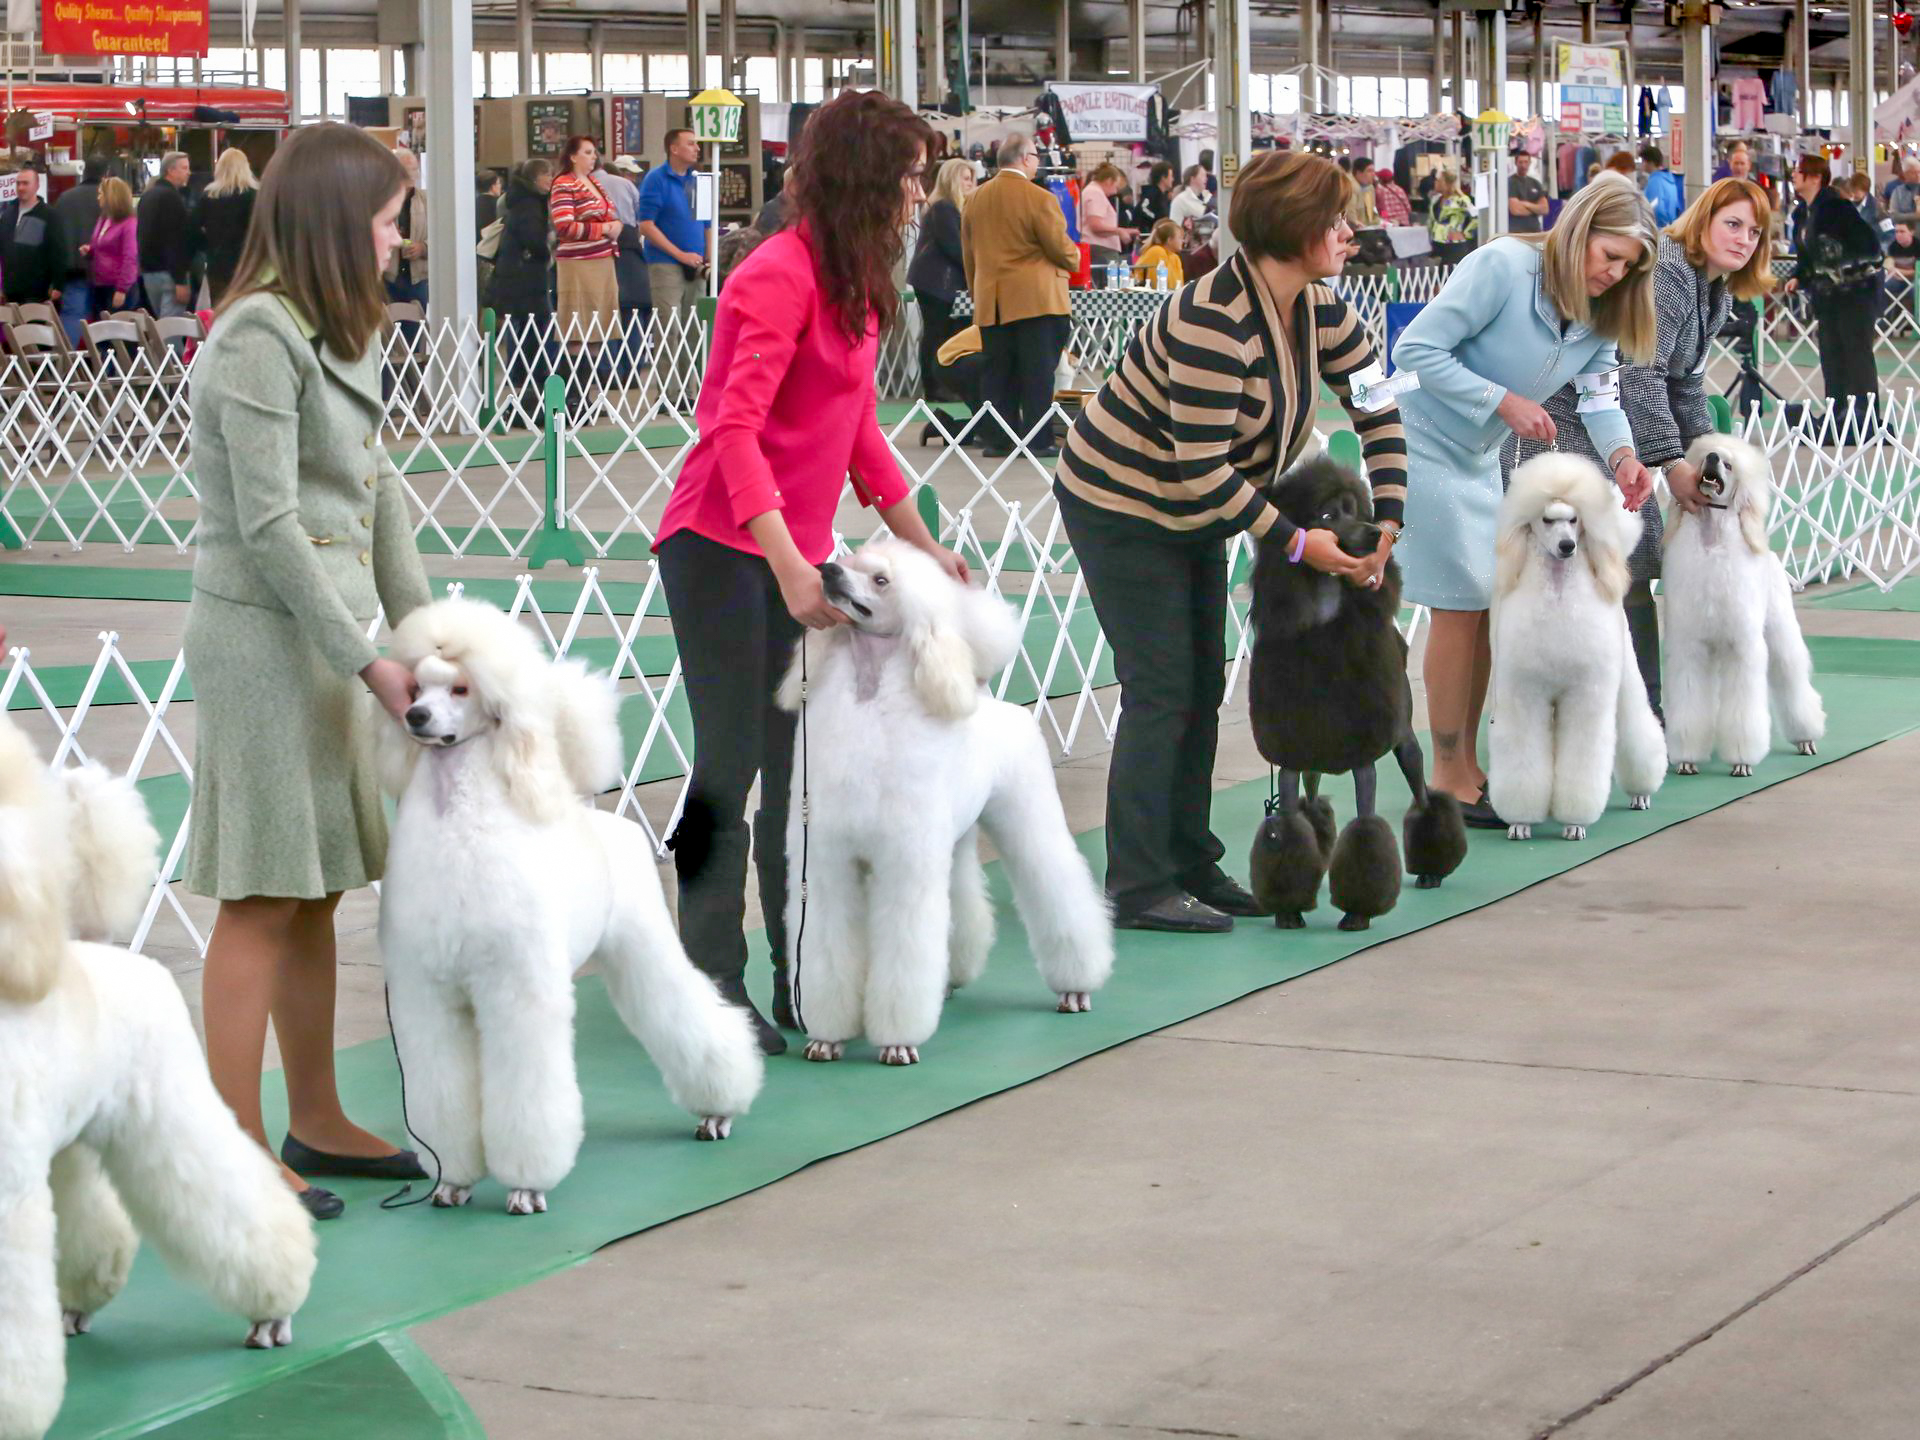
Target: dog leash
398,1200
800,930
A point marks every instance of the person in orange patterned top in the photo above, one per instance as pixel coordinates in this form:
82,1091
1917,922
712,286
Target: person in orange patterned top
586,231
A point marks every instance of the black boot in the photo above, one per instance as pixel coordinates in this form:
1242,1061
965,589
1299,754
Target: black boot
1643,626
770,865
711,863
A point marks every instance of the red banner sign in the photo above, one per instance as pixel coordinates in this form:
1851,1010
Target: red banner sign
124,27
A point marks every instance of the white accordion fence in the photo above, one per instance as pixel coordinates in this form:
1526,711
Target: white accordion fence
498,460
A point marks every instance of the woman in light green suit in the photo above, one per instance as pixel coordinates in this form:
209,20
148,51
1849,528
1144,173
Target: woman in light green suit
303,534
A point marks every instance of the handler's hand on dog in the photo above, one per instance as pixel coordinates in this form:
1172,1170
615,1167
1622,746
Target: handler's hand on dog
1323,553
1634,480
1684,481
807,601
953,563
1526,419
391,684
1367,576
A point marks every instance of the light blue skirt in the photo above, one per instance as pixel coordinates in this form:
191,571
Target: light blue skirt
1453,503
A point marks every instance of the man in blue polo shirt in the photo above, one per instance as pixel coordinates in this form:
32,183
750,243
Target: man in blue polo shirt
676,243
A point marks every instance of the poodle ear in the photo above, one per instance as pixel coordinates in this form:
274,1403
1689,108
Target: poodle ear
34,874
394,755
115,852
1510,559
1754,503
1610,538
586,727
943,673
813,645
530,767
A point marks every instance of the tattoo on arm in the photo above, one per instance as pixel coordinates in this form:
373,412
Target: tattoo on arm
1446,743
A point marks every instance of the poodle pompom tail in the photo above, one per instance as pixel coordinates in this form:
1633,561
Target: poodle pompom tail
34,873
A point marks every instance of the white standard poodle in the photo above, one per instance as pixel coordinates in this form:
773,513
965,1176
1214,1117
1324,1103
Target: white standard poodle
903,757
502,882
1732,637
1569,707
108,1119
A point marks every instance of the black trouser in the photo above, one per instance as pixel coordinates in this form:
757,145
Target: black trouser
735,639
1162,604
1018,381
937,326
1844,328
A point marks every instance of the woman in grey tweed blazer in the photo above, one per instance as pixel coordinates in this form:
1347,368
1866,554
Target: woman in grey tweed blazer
1715,253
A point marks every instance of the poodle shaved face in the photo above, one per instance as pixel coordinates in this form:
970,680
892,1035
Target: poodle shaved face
1557,531
863,587
445,709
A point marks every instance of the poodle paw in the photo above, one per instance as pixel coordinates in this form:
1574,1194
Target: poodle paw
826,1049
1519,832
449,1196
1741,772
1806,747
1639,802
526,1202
267,1334
1686,767
1289,920
1428,882
75,1322
1075,1002
1574,832
714,1127
899,1054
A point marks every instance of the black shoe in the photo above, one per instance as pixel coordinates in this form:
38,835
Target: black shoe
996,452
1480,815
322,1204
734,992
1226,895
783,1015
1177,915
305,1160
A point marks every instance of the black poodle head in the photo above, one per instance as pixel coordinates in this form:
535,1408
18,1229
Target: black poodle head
1323,494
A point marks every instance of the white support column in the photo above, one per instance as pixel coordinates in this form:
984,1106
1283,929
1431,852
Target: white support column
1137,40
1696,74
597,51
320,76
386,71
1327,85
448,47
906,51
1310,57
523,43
933,53
1437,61
1457,62
1860,87
696,45
1589,28
729,43
1537,72
1232,64
290,43
1063,40
799,49
1490,47
1802,60
782,61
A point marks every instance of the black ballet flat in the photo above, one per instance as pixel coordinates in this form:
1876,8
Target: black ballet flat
1480,814
322,1204
305,1160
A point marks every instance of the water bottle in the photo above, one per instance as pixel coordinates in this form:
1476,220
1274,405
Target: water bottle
1113,274
1160,276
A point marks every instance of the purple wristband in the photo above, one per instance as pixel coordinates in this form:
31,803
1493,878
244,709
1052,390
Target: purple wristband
1299,546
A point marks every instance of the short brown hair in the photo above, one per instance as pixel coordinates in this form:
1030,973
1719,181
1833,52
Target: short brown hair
675,134
1754,278
1621,161
1815,167
311,237
1108,171
1285,200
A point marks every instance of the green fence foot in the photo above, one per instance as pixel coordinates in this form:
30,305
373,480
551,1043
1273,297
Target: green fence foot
554,542
10,538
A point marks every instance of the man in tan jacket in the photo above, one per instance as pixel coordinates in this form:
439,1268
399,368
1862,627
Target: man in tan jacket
1013,236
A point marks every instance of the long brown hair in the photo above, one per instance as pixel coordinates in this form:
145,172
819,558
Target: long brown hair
1753,279
116,199
845,183
311,238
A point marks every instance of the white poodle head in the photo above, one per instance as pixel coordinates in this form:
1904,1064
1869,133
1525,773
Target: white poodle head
478,673
955,636
1563,510
1737,477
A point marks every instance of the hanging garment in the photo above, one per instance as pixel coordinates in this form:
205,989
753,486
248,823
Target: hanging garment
1567,162
1645,109
1663,107
1785,92
1749,104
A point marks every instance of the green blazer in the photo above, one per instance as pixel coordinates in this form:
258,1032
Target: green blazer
301,511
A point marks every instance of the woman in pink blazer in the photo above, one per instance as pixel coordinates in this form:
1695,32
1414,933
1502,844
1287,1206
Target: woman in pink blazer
786,414
112,252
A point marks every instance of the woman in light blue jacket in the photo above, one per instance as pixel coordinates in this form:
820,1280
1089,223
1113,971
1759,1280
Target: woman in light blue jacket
1516,322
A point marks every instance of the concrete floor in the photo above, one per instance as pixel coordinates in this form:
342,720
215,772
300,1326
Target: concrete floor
1629,1154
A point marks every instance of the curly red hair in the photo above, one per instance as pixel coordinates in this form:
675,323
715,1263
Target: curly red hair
845,181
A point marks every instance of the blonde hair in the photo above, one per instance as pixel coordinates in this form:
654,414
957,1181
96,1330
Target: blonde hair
1610,205
1753,279
1445,180
232,173
1105,172
946,183
1165,233
116,198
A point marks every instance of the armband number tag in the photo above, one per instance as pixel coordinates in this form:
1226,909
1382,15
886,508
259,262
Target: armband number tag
1599,390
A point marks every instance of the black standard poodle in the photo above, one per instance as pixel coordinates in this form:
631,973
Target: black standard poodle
1330,695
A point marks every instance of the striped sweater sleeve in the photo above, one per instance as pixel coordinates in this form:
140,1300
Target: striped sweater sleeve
1344,349
1208,357
567,202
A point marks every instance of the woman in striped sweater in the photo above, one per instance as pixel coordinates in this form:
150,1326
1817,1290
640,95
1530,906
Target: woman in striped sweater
587,232
1214,398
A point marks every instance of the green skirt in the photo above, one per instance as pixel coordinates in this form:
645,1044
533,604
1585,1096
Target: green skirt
286,801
